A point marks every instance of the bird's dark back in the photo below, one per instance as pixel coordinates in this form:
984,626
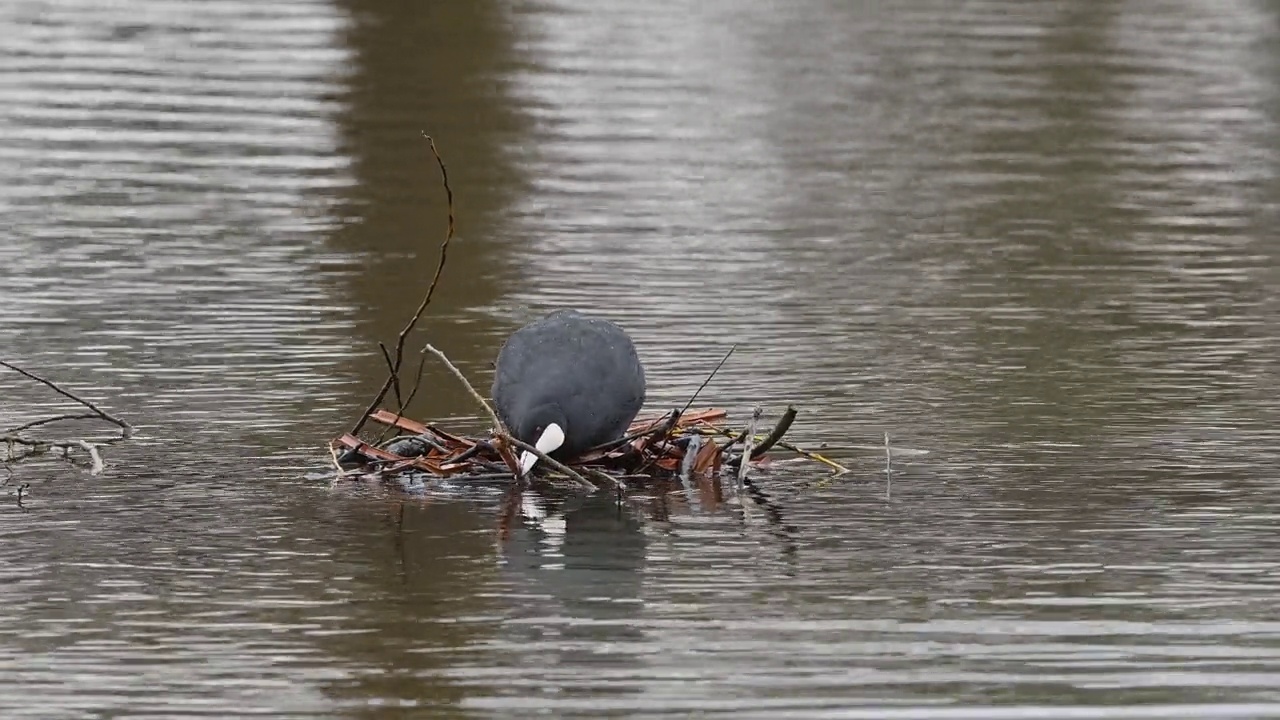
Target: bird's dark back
588,366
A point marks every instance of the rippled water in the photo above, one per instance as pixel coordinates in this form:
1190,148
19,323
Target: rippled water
1033,243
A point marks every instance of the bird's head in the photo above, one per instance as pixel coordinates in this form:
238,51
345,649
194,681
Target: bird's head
545,428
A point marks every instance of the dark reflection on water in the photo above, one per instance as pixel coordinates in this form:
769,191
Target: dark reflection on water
437,69
1034,241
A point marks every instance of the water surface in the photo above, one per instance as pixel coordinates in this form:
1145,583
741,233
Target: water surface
1035,243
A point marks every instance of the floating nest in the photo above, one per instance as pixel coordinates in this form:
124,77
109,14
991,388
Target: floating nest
677,443
693,442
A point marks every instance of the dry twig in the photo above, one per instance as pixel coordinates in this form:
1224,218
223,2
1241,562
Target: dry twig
493,416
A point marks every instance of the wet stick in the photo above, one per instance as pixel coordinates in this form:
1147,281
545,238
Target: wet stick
748,445
662,433
784,424
740,491
574,474
52,419
687,463
605,477
690,455
499,428
493,416
333,457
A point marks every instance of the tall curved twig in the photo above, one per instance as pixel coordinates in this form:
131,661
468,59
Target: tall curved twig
393,376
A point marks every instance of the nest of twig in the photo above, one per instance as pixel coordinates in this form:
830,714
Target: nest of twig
685,443
680,441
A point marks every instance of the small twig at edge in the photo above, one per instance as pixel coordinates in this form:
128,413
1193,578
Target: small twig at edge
888,468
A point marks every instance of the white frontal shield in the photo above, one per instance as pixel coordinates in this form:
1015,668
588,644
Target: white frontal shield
551,438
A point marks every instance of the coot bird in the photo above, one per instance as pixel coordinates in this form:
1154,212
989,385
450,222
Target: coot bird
566,383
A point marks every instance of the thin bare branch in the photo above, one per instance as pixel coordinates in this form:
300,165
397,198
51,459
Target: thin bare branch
393,373
46,421
659,428
125,428
493,416
394,376
714,370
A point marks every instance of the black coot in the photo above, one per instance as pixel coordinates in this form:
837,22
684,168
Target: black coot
566,383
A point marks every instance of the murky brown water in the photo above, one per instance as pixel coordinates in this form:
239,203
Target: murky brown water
1036,240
